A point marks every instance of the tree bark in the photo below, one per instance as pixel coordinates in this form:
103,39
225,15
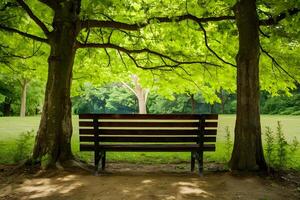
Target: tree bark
7,106
140,93
211,108
193,103
223,100
24,84
247,153
53,140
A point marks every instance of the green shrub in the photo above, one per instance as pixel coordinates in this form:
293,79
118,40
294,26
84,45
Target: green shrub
282,147
269,146
296,113
288,111
283,105
23,146
277,150
228,143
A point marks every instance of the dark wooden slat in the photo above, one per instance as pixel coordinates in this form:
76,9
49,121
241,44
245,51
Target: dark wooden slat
149,148
138,132
148,116
146,124
211,124
139,139
146,132
141,124
85,131
144,139
210,132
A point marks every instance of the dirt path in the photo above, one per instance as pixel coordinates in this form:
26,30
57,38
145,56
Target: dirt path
125,181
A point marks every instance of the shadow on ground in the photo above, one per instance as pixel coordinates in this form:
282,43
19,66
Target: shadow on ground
128,181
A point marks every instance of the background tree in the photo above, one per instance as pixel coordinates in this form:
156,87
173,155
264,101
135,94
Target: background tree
22,63
140,93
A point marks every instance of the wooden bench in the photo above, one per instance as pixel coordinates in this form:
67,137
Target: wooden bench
193,133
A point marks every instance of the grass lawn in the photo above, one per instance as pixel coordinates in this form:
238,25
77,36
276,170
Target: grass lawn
12,127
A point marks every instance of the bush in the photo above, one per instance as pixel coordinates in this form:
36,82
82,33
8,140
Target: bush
282,146
228,143
23,146
283,105
269,146
288,111
296,113
277,150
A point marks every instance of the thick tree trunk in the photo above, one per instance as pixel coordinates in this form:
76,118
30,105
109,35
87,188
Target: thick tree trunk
247,152
24,84
53,140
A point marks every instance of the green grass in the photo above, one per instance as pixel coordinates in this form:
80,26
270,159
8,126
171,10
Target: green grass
12,127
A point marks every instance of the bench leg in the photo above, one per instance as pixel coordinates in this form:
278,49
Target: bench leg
97,158
192,161
103,160
200,162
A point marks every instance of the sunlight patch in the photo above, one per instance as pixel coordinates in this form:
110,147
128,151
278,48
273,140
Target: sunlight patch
147,181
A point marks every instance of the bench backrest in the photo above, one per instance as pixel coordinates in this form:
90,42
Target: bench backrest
147,128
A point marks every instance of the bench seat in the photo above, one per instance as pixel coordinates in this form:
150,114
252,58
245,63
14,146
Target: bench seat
148,147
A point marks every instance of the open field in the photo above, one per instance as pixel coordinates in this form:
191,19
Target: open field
12,127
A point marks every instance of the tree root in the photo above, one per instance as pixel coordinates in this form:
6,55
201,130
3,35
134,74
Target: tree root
27,164
31,165
76,163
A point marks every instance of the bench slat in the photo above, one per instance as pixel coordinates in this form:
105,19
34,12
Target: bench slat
147,147
146,124
147,116
144,139
145,132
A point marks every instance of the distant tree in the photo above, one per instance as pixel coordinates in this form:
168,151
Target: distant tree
140,93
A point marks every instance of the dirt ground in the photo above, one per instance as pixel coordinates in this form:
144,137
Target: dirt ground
145,182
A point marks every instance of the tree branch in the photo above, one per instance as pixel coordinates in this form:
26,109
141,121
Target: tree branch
92,23
136,26
33,16
144,50
276,19
277,64
51,3
210,49
128,87
264,34
7,54
13,30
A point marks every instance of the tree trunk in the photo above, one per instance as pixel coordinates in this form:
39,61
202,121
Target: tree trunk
193,103
223,101
24,84
247,152
211,108
140,93
7,106
142,104
53,140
